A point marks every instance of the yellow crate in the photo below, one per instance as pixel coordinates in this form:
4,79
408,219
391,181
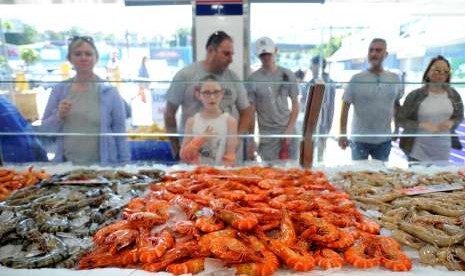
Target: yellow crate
27,105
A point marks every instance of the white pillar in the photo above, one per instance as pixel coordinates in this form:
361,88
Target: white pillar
225,15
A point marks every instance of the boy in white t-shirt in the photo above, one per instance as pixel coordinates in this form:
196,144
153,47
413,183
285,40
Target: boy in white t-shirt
210,133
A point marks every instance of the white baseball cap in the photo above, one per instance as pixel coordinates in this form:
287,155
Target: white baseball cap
264,45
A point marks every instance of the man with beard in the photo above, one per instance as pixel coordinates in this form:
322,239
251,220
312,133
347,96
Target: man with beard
375,95
220,51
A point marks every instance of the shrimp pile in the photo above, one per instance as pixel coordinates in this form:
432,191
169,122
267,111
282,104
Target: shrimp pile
254,219
11,180
51,224
432,223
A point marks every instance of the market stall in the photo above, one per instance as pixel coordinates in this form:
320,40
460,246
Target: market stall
214,265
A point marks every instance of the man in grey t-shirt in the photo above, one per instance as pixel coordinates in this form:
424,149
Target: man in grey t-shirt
181,92
375,95
269,90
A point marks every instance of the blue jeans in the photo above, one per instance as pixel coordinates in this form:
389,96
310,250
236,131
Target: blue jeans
361,151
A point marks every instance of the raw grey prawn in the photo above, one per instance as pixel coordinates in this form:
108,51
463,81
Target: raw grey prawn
56,252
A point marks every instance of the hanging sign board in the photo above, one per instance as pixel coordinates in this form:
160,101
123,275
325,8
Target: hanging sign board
225,15
218,7
155,2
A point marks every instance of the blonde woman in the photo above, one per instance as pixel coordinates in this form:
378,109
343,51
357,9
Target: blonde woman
87,105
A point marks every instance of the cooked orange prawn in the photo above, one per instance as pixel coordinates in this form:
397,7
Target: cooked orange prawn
234,195
204,241
268,263
223,203
178,186
192,266
196,187
258,204
319,230
120,239
4,171
102,257
128,257
340,220
367,225
392,258
287,233
157,192
158,206
231,249
327,258
152,248
238,219
270,225
387,242
269,183
185,228
137,204
256,197
236,185
145,219
344,240
201,200
300,205
181,250
189,206
279,201
396,260
209,170
101,235
337,195
263,210
363,254
295,257
7,176
208,224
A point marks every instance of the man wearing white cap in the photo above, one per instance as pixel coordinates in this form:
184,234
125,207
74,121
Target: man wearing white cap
269,89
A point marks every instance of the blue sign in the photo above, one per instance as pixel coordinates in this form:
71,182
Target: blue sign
224,7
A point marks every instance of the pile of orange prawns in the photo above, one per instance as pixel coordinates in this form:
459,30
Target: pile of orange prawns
255,219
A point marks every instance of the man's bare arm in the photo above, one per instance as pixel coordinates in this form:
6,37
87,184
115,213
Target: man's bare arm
245,119
293,116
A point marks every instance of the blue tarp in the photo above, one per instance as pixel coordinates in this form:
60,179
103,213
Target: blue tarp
158,151
18,148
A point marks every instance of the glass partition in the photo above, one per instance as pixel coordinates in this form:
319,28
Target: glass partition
140,136
141,49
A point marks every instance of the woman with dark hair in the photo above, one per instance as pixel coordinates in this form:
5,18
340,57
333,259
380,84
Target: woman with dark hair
90,107
435,108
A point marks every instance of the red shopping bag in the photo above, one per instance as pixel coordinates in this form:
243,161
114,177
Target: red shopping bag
284,152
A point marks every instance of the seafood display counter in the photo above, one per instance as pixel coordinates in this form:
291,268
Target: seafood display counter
251,221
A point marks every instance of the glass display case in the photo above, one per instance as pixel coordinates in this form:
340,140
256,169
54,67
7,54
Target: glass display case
26,141
342,39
